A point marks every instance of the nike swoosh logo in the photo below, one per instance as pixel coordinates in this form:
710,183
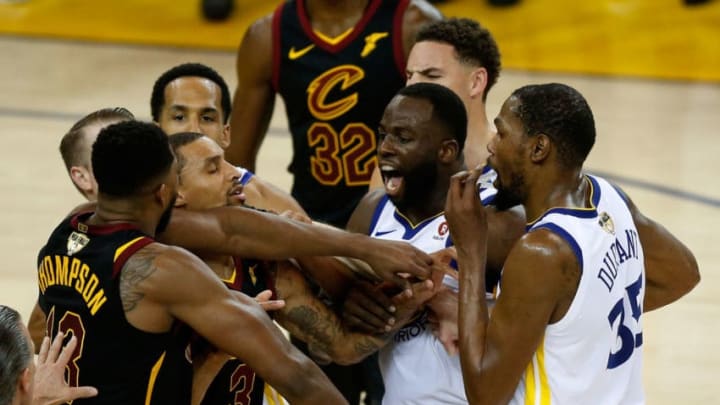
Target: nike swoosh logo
381,233
293,54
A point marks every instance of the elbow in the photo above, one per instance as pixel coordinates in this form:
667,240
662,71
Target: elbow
689,278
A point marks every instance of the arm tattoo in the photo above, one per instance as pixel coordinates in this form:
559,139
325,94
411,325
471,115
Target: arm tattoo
138,267
326,334
309,321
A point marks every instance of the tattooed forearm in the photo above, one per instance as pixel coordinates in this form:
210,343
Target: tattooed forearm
139,267
312,327
366,346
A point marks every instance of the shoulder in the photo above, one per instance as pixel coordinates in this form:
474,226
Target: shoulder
362,216
543,246
257,37
158,257
542,258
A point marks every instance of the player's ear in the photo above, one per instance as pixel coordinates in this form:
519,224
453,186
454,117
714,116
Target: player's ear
541,147
180,201
25,383
225,137
449,150
478,82
81,177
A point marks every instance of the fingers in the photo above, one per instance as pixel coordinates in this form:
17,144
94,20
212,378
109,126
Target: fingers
55,348
369,307
81,392
263,296
272,305
67,351
44,348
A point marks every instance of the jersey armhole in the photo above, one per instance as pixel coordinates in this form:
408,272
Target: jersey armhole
376,214
398,51
123,253
276,47
559,231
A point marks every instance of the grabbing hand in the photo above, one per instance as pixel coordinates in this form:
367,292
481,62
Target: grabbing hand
50,386
368,309
263,298
395,262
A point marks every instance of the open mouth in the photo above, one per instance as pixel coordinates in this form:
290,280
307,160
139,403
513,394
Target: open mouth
236,195
392,179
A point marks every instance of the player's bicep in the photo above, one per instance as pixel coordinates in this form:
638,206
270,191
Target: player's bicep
533,284
254,97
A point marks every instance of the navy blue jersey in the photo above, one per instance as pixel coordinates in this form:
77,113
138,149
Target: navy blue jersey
335,95
79,280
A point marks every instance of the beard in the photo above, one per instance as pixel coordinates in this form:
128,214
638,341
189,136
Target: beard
510,195
419,185
165,217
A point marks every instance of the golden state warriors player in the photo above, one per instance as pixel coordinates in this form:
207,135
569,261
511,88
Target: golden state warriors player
422,134
567,325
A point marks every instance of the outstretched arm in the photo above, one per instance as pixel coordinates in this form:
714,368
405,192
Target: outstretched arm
161,283
671,270
245,232
262,194
254,98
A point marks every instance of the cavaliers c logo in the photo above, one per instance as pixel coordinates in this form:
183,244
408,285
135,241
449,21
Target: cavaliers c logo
342,76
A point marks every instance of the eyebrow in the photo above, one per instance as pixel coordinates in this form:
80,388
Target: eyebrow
213,160
203,110
423,72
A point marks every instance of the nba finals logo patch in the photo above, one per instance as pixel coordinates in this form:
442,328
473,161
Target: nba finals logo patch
76,242
606,223
442,231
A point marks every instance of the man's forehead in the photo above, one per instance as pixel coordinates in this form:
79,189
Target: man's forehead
407,111
201,149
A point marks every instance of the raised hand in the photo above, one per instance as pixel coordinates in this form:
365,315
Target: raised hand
50,386
464,211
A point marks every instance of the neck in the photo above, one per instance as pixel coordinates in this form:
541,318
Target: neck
433,202
557,190
479,135
111,211
338,14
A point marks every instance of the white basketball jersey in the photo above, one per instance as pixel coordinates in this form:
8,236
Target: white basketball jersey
593,355
415,367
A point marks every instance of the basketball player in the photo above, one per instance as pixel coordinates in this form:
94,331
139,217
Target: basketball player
104,279
76,145
324,58
462,55
567,326
206,180
192,97
422,134
234,231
